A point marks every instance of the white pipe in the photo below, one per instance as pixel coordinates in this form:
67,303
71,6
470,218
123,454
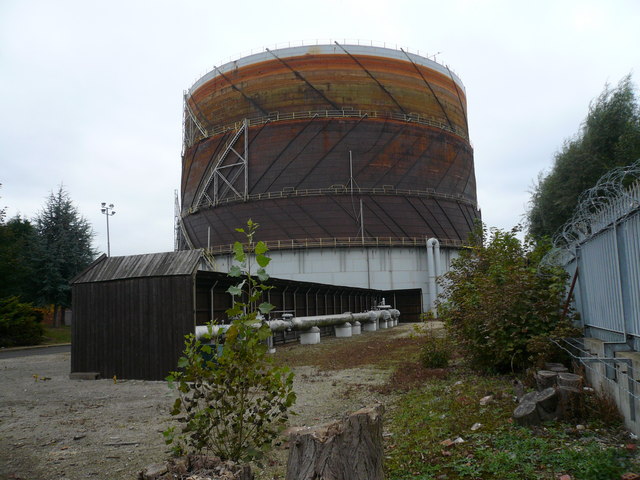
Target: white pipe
306,323
438,271
431,271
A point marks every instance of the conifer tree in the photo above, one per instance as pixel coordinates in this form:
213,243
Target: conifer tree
63,249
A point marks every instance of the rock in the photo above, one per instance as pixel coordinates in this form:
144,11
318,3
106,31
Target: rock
630,476
565,477
486,400
476,426
580,427
153,471
518,389
180,465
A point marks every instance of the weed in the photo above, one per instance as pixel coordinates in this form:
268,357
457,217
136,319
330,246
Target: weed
427,419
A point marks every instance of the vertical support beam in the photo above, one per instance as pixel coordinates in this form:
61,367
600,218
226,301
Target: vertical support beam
624,277
246,159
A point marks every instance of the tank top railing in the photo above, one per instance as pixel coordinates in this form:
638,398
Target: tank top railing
344,113
348,242
338,190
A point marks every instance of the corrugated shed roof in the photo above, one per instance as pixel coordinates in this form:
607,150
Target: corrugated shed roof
184,262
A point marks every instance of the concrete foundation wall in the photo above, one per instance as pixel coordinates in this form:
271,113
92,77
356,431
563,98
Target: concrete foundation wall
381,268
618,387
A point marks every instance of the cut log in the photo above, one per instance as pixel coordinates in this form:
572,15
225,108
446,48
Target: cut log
346,449
560,369
526,414
570,381
571,405
545,379
547,402
529,397
551,365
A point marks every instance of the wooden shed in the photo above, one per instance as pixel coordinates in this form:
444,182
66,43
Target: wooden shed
130,314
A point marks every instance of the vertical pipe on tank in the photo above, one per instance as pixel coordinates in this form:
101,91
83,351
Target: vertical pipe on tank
438,271
431,272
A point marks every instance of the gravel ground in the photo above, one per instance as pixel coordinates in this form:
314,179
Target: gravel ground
52,427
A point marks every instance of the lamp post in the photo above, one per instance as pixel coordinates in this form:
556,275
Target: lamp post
108,212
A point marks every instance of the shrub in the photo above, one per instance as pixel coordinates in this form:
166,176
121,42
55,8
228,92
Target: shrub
232,400
19,323
497,299
436,350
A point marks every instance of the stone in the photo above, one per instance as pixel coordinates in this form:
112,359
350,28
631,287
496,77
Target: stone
154,471
486,400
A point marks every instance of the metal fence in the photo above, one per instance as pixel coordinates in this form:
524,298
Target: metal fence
600,248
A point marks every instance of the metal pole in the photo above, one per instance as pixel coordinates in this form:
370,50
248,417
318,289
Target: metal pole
108,211
108,240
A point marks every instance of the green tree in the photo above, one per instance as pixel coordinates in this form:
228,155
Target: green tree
63,249
17,242
497,300
3,212
232,400
609,137
20,323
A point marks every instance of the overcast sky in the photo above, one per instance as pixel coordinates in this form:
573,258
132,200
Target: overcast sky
91,91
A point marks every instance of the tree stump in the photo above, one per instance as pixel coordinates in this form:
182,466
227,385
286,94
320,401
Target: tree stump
526,414
571,396
570,380
547,403
546,379
349,449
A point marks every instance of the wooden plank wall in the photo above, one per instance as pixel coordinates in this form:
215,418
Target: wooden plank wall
135,328
132,328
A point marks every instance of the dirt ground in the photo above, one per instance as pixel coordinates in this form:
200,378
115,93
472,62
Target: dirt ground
52,427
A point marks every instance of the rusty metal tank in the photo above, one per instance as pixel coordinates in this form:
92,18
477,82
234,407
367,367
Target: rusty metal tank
327,145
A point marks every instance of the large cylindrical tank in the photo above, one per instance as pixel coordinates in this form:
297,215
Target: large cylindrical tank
343,145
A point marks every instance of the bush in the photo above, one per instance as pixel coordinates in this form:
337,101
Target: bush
19,323
232,401
497,299
436,350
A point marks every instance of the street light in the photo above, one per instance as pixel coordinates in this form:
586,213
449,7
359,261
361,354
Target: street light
109,212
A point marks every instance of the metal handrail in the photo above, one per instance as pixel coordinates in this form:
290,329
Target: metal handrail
344,113
349,242
336,190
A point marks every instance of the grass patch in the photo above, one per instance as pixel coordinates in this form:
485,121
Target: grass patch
383,349
54,335
426,419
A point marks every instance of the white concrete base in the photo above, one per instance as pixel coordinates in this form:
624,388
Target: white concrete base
356,328
343,331
384,324
370,326
310,337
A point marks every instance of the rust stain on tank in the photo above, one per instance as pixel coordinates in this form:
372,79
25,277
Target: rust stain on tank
401,136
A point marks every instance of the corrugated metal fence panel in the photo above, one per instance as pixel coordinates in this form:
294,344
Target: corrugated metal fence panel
601,281
630,235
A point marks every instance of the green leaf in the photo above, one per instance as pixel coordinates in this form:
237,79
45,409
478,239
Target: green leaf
261,248
235,289
183,362
262,275
234,311
235,271
177,407
265,307
238,252
262,260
